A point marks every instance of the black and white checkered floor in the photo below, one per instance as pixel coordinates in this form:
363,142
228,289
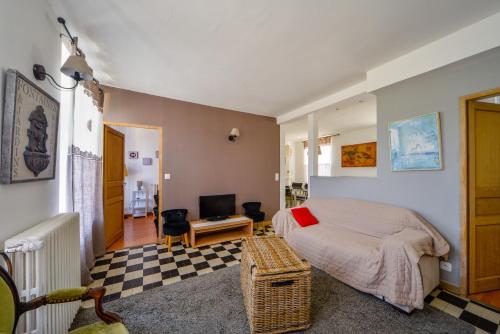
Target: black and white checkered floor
129,271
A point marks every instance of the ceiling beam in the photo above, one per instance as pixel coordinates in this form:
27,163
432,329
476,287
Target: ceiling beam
353,91
464,43
471,40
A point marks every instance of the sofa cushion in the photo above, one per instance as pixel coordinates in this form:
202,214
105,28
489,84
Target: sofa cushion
374,219
335,249
304,217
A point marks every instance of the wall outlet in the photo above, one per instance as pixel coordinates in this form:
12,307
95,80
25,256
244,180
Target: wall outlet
446,266
167,176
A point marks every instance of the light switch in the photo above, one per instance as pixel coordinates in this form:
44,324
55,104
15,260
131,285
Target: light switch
276,176
167,176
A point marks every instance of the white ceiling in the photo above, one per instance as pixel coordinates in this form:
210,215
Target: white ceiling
336,119
263,57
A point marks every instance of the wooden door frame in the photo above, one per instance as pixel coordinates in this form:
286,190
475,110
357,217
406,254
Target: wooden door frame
464,184
160,167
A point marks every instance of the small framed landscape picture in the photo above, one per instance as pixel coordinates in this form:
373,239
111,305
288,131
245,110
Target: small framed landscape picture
359,155
29,132
415,143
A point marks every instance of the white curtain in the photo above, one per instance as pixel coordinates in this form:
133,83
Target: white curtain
86,161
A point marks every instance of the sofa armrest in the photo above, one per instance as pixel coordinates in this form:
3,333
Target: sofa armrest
284,223
415,242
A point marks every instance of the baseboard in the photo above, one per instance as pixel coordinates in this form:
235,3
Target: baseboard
445,285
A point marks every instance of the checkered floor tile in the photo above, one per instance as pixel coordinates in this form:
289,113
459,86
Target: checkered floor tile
486,320
129,271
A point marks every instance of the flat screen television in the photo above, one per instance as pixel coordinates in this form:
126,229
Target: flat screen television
217,206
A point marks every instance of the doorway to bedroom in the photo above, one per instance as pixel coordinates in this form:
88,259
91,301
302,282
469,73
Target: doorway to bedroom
142,188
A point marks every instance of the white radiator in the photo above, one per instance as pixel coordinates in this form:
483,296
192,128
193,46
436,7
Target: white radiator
46,257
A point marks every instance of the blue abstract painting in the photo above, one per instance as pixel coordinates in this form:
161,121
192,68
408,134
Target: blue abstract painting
416,143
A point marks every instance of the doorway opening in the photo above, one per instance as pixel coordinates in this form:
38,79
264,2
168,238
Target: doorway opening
142,184
346,135
480,175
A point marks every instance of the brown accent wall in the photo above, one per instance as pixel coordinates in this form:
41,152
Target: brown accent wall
197,153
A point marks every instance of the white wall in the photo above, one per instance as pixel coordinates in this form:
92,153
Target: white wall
298,159
358,136
146,142
28,34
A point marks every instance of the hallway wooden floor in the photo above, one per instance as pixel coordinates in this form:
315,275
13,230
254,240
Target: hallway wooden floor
491,298
137,231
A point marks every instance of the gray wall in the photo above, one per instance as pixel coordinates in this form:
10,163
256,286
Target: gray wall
434,194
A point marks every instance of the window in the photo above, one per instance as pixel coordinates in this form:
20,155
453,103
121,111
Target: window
325,160
324,157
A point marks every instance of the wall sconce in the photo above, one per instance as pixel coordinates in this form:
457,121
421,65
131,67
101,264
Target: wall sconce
75,66
235,133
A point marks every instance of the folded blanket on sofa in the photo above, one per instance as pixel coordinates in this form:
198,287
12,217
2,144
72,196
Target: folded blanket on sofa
371,246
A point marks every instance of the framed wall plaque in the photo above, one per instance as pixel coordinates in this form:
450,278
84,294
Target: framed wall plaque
416,143
29,132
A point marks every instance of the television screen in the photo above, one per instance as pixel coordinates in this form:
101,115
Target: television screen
218,205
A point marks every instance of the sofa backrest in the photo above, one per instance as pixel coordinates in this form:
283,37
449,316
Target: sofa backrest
371,218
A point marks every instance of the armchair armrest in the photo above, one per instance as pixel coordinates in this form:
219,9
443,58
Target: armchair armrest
71,295
66,295
8,262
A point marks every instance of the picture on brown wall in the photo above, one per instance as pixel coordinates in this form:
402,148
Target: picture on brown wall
359,155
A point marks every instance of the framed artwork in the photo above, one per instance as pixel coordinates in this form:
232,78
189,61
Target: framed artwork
359,155
416,143
147,161
133,155
29,132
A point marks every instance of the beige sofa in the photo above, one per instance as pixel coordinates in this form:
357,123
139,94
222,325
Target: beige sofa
384,250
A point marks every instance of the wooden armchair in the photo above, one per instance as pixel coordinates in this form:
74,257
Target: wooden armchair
13,308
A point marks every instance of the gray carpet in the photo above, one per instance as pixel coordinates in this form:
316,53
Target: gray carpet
213,303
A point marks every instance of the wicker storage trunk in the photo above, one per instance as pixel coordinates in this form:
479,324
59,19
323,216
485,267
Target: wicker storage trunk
276,286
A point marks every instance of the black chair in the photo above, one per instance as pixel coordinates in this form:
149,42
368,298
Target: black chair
155,212
252,210
175,224
289,198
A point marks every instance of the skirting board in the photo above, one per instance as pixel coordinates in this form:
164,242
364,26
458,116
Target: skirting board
445,285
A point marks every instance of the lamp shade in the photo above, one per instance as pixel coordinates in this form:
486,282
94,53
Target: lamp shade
77,68
235,132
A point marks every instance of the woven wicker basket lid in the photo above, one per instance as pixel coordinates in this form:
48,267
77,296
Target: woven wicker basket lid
272,255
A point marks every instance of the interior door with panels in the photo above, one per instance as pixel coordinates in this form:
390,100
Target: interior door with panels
484,196
114,152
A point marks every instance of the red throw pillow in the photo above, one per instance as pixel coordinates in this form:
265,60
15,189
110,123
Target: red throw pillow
304,217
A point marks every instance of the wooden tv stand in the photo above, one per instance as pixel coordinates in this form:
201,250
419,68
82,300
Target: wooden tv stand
205,232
